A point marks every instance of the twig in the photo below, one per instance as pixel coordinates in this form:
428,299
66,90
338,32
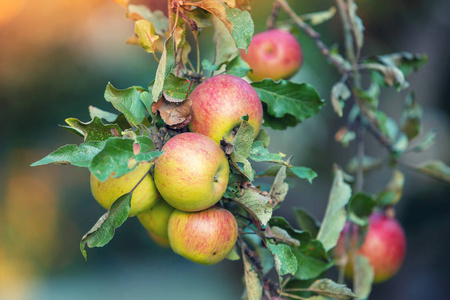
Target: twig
273,16
342,69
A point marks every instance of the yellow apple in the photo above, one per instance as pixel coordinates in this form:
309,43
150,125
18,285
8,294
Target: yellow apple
144,196
192,173
204,237
156,219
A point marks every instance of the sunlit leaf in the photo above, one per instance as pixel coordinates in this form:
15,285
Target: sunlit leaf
148,39
319,17
157,17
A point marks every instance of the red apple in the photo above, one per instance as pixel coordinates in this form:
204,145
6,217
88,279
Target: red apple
192,173
218,104
205,237
384,246
273,54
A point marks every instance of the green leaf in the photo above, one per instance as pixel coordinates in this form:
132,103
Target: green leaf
437,169
243,140
279,187
118,157
405,61
233,255
94,130
369,97
224,44
329,288
310,266
103,231
259,153
411,117
368,164
363,277
243,27
175,88
360,207
339,93
264,137
242,165
79,156
166,63
387,125
285,99
303,173
335,215
128,102
311,255
393,191
285,261
426,142
300,172
306,221
237,67
253,284
319,17
256,204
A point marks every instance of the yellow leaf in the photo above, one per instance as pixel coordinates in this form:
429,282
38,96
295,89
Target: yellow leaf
147,36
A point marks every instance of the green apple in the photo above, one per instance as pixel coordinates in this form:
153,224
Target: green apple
274,54
204,237
192,173
384,246
144,196
156,219
218,104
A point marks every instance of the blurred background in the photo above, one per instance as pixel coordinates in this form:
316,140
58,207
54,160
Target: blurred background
56,57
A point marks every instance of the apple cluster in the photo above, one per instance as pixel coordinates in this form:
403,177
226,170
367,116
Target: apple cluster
177,205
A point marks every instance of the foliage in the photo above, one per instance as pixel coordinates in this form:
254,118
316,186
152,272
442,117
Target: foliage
113,144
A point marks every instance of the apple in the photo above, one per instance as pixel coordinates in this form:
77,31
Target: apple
143,198
218,104
274,54
156,219
159,240
192,173
204,237
384,246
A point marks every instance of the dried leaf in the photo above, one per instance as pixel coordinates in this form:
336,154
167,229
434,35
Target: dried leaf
177,114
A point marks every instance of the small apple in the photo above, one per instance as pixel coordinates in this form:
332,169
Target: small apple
218,104
156,219
273,54
384,246
192,173
144,196
204,237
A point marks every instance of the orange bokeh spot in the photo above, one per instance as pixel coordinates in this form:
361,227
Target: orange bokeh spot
9,9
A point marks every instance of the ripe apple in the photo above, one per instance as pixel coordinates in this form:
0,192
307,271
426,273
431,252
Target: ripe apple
273,54
205,237
218,104
156,219
384,246
192,173
144,196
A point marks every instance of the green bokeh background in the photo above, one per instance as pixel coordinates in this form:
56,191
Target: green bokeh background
56,58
